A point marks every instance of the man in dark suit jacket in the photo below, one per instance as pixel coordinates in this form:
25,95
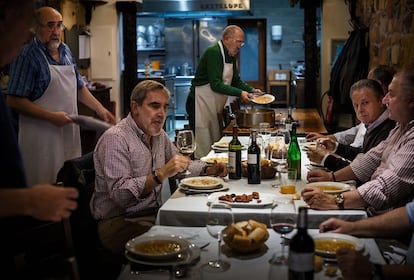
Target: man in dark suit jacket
366,98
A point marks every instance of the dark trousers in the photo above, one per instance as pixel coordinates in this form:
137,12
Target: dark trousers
190,107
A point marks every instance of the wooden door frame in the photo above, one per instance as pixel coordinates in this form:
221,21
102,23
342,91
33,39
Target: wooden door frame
260,24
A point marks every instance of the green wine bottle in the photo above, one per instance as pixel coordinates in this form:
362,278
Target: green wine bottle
293,155
235,148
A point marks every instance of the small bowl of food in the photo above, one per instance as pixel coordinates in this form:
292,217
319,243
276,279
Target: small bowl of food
245,236
331,187
157,247
268,171
326,244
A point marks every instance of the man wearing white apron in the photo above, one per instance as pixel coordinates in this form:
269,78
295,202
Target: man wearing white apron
44,88
216,78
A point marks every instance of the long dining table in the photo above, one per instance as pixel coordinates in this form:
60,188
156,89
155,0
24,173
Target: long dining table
191,210
309,120
185,216
242,266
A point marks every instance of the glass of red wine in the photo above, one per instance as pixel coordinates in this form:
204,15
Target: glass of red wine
186,144
282,223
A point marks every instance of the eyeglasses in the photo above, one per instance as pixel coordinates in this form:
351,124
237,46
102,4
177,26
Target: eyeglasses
51,25
239,42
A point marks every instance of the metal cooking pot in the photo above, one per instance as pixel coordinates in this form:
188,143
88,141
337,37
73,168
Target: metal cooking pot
252,117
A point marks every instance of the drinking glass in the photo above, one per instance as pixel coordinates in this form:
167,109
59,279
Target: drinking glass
264,132
219,216
282,224
186,144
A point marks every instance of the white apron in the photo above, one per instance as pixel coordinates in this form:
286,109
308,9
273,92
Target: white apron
207,105
45,146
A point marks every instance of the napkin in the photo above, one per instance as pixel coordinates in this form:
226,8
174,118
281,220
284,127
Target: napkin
91,123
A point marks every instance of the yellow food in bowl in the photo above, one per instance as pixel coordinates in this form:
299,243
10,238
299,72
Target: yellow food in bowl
331,245
330,188
157,247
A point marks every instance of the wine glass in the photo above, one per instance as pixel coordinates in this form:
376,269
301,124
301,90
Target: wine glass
264,132
219,216
282,224
186,144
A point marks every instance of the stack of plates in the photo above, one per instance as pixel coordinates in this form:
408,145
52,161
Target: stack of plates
160,250
203,184
223,146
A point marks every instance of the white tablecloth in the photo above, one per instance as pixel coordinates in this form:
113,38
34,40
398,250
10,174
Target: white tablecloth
181,210
254,266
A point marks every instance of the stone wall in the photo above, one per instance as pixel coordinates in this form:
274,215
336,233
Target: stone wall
391,31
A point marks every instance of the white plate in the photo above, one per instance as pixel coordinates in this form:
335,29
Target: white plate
202,182
190,255
334,187
222,157
221,144
226,148
310,145
263,99
266,200
187,189
156,247
357,243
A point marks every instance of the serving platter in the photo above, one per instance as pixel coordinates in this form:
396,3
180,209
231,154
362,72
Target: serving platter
331,187
203,182
223,158
327,243
219,146
266,199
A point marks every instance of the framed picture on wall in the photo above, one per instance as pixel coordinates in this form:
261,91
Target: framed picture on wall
336,48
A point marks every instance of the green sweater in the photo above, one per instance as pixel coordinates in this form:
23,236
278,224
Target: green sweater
210,71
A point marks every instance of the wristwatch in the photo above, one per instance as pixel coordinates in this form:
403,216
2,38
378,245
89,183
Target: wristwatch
339,200
155,177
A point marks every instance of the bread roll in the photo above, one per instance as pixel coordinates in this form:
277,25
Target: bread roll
257,235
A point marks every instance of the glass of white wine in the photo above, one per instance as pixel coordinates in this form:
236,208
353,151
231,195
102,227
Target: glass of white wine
186,144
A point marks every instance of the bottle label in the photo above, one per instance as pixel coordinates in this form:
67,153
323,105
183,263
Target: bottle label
288,126
301,262
252,159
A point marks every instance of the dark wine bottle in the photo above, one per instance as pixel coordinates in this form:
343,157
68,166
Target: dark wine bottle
289,120
301,250
293,154
235,148
253,161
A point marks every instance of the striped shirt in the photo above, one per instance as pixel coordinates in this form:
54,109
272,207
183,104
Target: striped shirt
123,161
388,170
29,73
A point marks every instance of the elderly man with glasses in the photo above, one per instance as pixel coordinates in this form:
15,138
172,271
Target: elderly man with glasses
44,88
216,78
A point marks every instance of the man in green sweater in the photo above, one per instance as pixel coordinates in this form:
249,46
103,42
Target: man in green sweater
216,78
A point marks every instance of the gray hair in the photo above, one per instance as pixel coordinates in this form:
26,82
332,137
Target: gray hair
406,82
367,83
230,30
139,93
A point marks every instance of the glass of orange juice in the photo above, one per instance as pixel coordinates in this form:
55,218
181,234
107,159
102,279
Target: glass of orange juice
288,181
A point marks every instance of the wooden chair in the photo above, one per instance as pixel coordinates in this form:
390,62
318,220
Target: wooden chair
92,258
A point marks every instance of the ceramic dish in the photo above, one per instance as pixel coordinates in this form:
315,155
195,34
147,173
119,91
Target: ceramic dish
326,244
224,148
157,247
331,187
264,201
223,158
191,254
263,99
187,190
202,182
